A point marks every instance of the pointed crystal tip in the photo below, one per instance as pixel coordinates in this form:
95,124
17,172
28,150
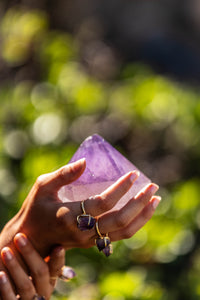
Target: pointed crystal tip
94,138
104,165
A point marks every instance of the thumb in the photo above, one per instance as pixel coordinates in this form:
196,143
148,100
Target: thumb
52,182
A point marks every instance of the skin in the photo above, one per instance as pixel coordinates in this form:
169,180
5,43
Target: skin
49,222
41,272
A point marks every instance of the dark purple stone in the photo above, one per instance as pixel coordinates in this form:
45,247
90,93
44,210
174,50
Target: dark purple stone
102,242
104,165
39,297
85,222
108,250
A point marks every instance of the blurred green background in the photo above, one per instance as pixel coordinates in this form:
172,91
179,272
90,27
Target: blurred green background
62,80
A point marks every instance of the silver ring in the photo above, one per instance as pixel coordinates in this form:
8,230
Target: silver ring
85,221
103,242
37,297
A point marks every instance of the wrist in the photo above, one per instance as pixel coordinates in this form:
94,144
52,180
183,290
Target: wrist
10,230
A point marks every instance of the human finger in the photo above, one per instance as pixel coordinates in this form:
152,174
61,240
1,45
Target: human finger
22,282
38,268
6,291
121,218
53,181
138,222
56,261
106,200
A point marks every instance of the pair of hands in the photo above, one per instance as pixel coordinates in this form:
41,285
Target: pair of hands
49,222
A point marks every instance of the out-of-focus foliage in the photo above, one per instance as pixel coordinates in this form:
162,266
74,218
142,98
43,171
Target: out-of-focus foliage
152,120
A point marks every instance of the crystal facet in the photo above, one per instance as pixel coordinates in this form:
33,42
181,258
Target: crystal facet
104,165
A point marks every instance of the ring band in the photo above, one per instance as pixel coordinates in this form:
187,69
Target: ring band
85,221
103,243
83,207
53,277
97,229
37,297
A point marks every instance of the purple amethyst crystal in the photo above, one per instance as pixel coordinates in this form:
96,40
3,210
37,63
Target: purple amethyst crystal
108,250
67,273
85,222
104,165
102,242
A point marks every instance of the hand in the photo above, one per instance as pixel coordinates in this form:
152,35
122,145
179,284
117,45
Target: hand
41,278
47,221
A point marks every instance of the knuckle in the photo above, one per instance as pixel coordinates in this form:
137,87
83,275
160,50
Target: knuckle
42,271
26,286
121,220
143,199
127,234
147,214
103,204
40,180
27,251
141,195
62,173
71,169
127,185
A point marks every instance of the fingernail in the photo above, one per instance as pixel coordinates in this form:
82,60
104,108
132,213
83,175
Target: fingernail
156,201
6,253
81,161
21,240
153,188
67,273
59,250
3,278
134,175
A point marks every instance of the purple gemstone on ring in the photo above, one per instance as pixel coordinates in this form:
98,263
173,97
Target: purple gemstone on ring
104,165
67,273
85,222
37,297
108,250
102,242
